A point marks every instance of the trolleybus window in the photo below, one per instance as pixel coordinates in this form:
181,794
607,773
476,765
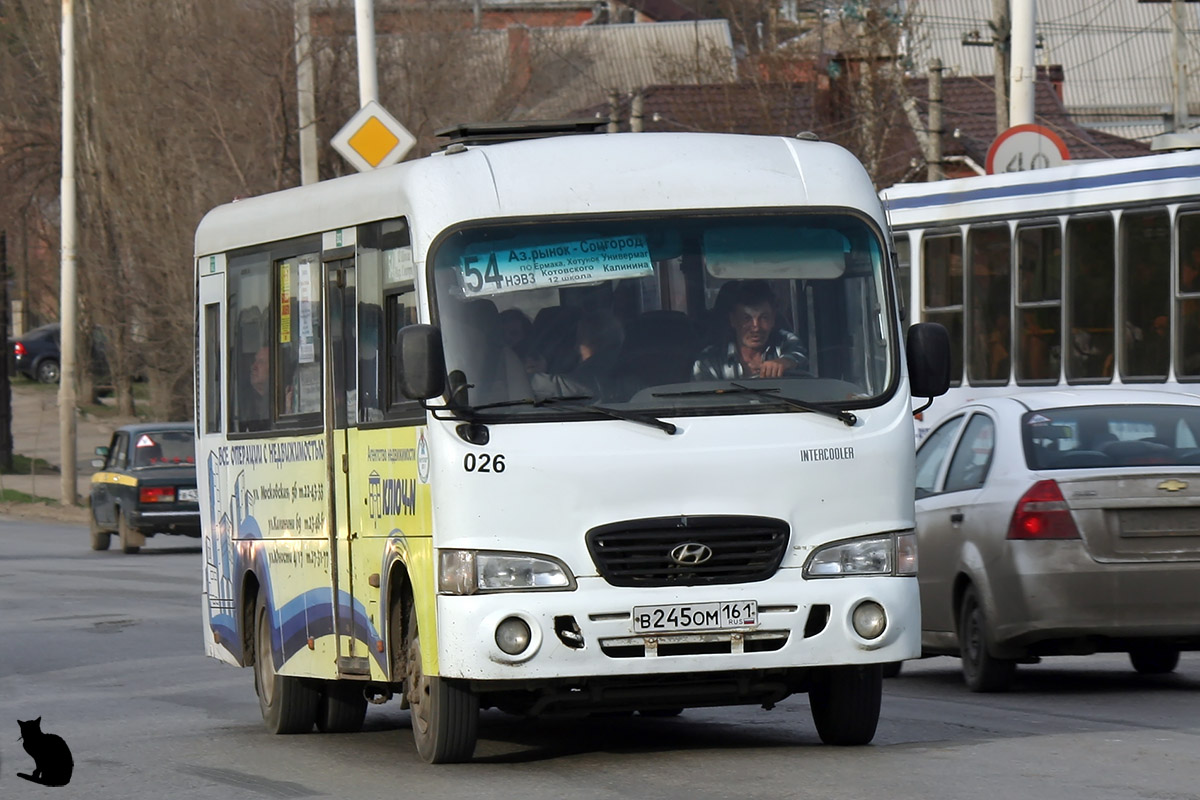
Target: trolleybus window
1146,290
1039,289
1187,330
989,292
943,295
1091,283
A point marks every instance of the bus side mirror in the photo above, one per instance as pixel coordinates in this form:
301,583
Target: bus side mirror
422,365
928,352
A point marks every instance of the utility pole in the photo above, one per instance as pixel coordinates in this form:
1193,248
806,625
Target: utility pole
67,304
1022,86
1001,41
364,34
1178,76
936,125
306,103
6,442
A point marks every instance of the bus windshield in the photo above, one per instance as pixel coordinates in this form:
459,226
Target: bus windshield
668,314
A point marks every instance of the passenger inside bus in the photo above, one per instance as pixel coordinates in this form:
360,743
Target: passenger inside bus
598,347
755,346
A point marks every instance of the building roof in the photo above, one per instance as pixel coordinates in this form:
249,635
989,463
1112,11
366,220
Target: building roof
969,118
1115,56
578,67
790,108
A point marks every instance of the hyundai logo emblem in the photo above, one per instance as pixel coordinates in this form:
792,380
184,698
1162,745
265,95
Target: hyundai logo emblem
691,553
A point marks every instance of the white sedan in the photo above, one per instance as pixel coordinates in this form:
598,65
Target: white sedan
1061,523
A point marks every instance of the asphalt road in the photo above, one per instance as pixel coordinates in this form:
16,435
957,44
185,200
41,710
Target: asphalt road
106,648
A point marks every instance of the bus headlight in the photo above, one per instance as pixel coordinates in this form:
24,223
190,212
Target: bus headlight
889,554
472,571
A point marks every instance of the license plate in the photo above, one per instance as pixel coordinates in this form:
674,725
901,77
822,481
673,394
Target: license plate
187,496
724,615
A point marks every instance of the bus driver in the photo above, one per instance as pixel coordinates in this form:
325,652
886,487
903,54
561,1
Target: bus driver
755,347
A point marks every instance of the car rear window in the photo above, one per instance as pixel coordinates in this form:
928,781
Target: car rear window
1082,437
163,449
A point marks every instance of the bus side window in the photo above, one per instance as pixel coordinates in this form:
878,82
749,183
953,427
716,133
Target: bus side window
249,356
1187,320
1039,306
1091,281
1146,292
942,265
212,368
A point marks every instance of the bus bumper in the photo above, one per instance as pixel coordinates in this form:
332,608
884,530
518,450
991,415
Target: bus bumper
589,632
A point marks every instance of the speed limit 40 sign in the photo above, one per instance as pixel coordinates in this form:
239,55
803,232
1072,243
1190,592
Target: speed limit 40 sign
1024,147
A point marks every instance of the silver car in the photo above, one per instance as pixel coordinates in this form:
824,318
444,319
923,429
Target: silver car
1061,523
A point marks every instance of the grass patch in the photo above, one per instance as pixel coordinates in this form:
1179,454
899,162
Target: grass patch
24,465
13,496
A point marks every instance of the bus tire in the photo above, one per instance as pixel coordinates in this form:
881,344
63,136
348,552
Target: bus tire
982,672
342,707
288,704
130,542
845,703
100,539
445,713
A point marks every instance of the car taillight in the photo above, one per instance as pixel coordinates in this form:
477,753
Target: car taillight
157,494
1042,513
18,349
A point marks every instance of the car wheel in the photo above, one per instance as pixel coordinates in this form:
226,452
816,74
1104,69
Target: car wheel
288,704
100,539
892,668
845,703
342,707
126,535
445,714
1154,659
981,671
47,371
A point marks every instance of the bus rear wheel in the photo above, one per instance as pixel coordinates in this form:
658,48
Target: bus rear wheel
845,703
288,704
445,714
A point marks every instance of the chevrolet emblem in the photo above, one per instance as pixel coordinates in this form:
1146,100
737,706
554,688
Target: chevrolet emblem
1173,485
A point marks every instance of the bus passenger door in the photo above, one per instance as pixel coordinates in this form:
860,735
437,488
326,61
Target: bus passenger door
353,629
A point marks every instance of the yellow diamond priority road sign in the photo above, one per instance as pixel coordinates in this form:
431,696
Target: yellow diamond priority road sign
373,138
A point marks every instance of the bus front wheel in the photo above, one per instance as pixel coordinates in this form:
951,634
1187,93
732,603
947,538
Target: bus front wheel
445,714
845,703
288,704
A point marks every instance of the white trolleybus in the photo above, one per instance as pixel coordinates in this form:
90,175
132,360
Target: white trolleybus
557,426
1081,275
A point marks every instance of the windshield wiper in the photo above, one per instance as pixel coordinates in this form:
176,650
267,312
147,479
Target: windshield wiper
770,394
576,399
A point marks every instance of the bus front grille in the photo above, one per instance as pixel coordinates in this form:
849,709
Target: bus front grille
688,551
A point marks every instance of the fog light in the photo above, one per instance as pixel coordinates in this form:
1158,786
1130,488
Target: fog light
869,619
512,635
